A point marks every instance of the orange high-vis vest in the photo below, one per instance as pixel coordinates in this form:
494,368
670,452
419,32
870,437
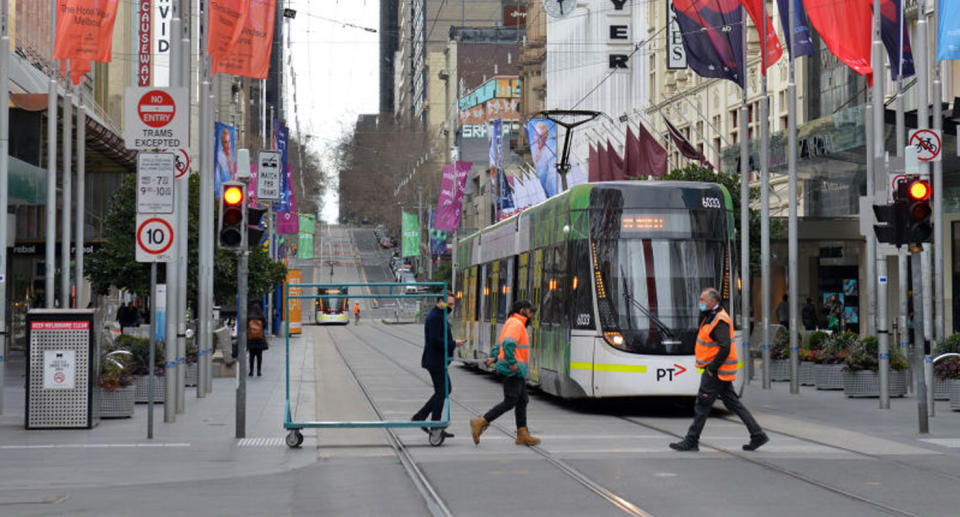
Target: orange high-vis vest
707,348
356,308
515,330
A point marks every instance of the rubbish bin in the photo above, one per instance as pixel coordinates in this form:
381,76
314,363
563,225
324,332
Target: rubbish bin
62,370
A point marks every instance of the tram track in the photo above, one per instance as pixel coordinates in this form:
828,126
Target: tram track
892,510
606,494
431,497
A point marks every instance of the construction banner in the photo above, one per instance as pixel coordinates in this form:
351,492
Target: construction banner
292,312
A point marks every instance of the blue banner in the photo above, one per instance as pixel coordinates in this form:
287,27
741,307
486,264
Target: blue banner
225,151
948,31
891,24
804,42
438,238
712,37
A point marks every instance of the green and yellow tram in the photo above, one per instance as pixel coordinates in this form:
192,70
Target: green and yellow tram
334,310
615,270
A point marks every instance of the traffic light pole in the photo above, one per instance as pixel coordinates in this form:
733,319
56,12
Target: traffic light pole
918,308
241,408
923,325
180,184
880,195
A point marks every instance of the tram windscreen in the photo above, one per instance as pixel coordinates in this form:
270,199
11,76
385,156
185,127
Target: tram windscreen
333,304
653,275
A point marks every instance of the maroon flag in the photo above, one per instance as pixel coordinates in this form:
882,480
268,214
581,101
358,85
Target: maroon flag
615,170
683,145
593,162
645,156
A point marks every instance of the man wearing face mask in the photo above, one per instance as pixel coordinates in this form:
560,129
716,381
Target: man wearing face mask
511,353
436,359
717,356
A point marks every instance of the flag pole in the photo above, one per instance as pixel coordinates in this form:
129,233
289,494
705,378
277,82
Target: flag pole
879,194
50,256
793,282
4,175
938,233
765,200
902,276
745,292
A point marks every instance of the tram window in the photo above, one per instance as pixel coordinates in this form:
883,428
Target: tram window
580,283
487,292
523,291
502,287
550,291
561,310
475,294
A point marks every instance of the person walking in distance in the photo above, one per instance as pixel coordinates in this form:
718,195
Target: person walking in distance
511,353
809,315
256,337
436,359
356,313
717,355
783,312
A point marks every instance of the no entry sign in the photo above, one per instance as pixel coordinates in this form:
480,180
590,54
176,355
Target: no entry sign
156,118
155,238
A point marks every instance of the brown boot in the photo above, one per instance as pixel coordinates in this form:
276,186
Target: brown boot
524,438
477,427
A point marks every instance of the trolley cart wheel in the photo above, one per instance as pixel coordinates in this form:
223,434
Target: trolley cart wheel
436,436
294,438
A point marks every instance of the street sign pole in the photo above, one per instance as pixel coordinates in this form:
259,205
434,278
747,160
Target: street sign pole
178,310
66,196
879,168
918,308
51,209
4,174
153,349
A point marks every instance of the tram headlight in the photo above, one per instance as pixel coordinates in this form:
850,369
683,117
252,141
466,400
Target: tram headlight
614,338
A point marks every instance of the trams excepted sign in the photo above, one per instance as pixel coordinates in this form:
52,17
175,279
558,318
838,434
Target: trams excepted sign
156,118
155,238
928,144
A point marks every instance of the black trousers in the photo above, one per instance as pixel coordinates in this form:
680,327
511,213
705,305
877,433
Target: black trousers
258,356
712,388
514,397
434,405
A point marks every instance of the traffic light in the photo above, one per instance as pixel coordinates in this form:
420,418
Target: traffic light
232,215
254,231
917,210
890,219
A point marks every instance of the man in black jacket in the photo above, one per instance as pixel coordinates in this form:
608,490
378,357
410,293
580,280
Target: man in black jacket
435,359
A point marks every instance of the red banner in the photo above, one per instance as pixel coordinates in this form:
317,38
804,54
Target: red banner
250,56
773,49
845,26
227,21
84,32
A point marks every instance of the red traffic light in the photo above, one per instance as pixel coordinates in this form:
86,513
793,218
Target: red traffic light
233,195
919,190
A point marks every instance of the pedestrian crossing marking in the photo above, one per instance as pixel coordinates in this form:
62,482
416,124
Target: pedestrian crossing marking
260,442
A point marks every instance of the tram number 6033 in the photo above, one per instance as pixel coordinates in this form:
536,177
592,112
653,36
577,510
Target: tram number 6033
710,202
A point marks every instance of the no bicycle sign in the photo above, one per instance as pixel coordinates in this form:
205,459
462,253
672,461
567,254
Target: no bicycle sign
156,118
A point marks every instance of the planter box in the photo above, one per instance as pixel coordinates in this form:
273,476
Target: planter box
159,389
866,383
117,403
191,375
828,376
955,395
779,369
941,388
806,373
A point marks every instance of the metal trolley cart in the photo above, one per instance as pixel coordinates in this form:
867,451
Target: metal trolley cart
394,290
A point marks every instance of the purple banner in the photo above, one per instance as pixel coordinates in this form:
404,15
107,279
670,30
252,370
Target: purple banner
287,219
450,199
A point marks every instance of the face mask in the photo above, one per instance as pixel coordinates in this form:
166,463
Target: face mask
449,309
703,307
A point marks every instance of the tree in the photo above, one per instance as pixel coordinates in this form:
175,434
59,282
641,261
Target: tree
115,265
731,182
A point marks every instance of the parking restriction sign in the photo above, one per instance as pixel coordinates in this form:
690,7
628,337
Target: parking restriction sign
155,238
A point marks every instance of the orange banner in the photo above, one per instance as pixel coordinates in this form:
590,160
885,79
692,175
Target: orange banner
250,56
85,29
292,312
227,20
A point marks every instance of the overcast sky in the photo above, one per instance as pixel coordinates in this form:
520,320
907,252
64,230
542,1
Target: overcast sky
336,69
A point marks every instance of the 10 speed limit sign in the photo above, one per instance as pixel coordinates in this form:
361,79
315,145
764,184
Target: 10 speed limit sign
155,238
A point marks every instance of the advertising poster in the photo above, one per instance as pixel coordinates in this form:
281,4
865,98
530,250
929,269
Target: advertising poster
225,152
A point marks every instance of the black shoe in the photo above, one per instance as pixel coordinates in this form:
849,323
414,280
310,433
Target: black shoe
685,445
756,442
250,375
258,374
446,434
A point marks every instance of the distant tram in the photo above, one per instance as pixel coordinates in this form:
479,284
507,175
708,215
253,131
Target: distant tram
615,270
333,310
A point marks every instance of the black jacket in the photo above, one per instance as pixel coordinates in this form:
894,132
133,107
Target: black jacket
433,340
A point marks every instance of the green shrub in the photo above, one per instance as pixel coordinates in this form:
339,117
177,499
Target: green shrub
864,355
836,348
780,348
816,339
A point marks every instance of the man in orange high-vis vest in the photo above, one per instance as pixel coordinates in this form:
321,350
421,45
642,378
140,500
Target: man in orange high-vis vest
356,313
511,354
717,357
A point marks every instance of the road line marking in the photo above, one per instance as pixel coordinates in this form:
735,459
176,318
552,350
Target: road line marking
96,446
